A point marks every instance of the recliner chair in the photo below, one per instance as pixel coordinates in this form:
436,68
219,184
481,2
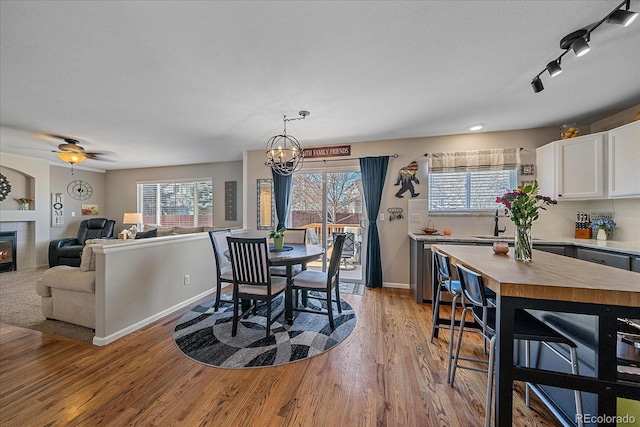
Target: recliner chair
67,251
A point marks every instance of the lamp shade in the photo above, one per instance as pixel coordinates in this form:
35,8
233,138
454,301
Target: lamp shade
71,157
132,218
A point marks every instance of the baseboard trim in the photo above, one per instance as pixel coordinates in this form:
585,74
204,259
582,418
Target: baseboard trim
395,285
101,341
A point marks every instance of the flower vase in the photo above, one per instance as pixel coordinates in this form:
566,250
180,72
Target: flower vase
278,243
602,234
24,206
523,246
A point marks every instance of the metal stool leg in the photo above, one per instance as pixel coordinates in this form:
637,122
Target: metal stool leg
436,313
451,330
492,355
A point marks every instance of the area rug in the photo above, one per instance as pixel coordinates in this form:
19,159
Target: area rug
205,336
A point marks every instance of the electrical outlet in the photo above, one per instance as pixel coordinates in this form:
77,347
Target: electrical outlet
381,217
187,279
415,217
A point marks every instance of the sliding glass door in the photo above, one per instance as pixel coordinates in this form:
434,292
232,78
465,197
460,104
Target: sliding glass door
329,201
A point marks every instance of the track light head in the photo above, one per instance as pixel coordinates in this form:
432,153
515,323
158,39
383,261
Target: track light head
580,47
622,17
554,68
537,85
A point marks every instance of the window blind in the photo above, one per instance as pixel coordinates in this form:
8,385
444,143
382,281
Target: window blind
469,161
184,203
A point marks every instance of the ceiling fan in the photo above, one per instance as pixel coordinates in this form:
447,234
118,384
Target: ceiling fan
72,152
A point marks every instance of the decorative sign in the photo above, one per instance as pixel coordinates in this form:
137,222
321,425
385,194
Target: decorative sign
57,219
335,151
230,210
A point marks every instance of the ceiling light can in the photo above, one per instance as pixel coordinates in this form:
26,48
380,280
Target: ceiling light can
554,68
537,85
476,127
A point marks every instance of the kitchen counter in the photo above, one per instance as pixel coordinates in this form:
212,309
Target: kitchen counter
628,248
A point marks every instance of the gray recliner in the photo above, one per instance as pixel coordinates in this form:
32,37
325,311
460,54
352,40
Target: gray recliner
67,251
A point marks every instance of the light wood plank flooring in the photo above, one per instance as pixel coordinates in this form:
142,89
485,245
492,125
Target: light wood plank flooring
386,373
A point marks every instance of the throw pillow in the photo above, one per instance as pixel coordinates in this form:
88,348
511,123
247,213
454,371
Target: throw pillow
147,234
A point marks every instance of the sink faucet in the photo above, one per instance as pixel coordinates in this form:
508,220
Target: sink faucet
496,230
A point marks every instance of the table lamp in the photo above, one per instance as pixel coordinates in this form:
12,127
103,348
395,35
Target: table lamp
135,219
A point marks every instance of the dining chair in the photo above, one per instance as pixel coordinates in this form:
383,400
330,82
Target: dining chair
349,248
526,327
318,281
296,236
252,279
223,265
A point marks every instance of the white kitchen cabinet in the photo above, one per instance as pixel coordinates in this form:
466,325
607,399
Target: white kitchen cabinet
580,172
574,168
624,161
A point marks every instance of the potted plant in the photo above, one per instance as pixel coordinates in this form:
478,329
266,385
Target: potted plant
604,227
278,238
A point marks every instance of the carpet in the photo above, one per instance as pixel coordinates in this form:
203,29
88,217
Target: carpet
20,306
205,336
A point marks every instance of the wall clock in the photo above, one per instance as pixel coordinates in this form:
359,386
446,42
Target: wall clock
79,190
5,187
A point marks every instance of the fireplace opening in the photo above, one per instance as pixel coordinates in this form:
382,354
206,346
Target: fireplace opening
8,259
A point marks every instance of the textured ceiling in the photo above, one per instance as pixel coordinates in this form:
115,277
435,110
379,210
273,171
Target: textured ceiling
158,83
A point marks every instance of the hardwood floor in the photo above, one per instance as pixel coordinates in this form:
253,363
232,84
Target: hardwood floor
386,373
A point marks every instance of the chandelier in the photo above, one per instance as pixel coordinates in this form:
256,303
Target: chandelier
284,152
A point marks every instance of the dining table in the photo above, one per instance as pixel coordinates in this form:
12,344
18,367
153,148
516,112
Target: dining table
289,256
555,283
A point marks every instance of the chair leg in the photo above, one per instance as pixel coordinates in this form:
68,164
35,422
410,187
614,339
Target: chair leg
527,363
332,324
577,393
458,345
268,318
234,330
436,313
218,290
492,355
451,330
338,302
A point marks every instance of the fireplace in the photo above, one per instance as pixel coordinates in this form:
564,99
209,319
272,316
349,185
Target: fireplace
8,259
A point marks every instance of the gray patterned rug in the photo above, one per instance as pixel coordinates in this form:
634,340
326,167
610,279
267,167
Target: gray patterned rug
205,336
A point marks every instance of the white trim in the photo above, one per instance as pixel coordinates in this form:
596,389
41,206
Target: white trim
126,331
395,285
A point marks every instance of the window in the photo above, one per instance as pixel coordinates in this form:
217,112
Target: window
469,191
177,203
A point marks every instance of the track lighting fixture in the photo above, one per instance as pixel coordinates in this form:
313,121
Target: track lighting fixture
578,41
554,68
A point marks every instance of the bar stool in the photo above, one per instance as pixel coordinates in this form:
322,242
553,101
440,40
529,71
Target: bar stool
526,327
445,284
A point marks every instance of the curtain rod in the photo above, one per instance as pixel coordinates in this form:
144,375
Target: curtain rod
394,155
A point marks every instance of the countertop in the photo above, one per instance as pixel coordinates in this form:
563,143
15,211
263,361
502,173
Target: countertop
629,248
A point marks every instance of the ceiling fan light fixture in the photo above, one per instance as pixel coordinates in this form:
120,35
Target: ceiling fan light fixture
71,157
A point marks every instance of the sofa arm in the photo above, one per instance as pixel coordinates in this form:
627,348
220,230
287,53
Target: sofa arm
67,278
57,243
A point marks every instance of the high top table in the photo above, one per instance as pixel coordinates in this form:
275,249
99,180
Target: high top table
555,283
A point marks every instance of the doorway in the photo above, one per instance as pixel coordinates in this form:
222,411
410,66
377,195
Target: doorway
328,201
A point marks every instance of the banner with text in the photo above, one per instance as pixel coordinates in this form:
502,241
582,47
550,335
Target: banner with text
335,151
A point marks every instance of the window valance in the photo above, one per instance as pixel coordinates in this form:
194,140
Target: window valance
476,160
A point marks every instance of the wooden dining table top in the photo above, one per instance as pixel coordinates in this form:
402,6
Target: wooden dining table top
548,276
299,253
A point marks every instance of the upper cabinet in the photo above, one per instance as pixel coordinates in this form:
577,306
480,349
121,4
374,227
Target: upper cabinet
597,166
580,167
624,161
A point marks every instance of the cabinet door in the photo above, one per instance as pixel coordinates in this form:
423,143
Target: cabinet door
624,161
546,170
580,167
606,258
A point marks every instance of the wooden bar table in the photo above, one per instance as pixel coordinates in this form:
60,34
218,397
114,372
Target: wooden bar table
556,283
